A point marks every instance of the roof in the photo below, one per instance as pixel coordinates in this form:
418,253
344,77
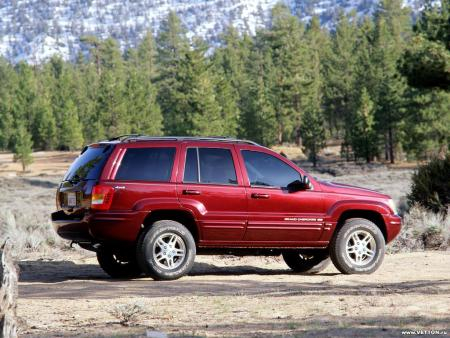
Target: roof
138,138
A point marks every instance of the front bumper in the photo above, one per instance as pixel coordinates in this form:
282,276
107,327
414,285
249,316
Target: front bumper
393,226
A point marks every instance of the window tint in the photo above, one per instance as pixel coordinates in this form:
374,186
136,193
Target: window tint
90,163
191,167
216,166
146,164
267,170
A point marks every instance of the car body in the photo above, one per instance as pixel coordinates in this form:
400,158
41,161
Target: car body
231,195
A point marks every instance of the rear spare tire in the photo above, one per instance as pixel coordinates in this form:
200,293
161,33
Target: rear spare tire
166,250
358,247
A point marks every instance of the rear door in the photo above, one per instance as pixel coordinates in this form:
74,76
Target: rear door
277,216
144,173
211,187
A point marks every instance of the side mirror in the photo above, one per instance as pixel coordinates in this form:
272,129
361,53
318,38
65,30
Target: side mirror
301,184
306,182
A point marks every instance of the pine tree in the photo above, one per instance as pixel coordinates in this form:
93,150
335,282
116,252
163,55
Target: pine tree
392,27
259,116
69,128
313,130
7,89
71,137
284,39
426,128
23,147
111,107
172,46
143,110
203,114
339,71
85,93
45,127
226,97
363,136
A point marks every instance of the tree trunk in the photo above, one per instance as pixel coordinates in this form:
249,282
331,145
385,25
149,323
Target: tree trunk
386,148
280,134
298,137
391,145
8,293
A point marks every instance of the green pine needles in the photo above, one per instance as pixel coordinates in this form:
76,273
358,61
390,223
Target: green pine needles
377,83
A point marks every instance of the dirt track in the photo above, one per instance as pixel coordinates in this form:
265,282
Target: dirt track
240,297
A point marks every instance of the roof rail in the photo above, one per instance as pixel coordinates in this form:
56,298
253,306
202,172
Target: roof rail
137,137
124,136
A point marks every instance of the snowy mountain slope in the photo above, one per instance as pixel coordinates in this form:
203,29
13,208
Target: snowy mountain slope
34,30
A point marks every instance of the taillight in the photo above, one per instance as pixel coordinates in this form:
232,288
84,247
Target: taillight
102,196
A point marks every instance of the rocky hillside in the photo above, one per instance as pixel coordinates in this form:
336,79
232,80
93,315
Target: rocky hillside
34,30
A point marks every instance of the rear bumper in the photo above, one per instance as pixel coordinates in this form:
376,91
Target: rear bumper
99,226
71,228
393,226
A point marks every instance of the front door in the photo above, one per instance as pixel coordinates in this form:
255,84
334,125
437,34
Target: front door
211,187
277,216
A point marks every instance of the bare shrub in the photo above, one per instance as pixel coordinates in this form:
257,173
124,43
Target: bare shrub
25,214
423,229
129,313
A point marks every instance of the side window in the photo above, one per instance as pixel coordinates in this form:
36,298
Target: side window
146,164
191,167
209,165
267,170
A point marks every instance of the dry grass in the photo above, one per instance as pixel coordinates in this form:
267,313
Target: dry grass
423,229
129,313
25,214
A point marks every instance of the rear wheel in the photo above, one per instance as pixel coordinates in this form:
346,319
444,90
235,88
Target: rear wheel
358,247
166,250
306,261
118,264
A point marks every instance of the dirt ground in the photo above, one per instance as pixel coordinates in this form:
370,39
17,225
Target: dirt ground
239,297
44,163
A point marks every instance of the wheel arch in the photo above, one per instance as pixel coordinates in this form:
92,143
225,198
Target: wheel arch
371,215
184,217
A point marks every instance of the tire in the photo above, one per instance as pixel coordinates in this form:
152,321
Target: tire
356,232
306,262
170,264
118,265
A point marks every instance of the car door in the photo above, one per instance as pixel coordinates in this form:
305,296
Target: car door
277,216
144,172
210,185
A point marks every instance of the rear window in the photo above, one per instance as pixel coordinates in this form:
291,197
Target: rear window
146,164
90,163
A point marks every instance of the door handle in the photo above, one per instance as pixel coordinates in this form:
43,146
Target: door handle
191,192
260,196
119,187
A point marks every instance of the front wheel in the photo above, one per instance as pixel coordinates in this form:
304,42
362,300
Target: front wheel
166,250
306,262
358,247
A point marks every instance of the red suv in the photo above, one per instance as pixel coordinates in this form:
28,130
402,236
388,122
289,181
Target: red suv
148,205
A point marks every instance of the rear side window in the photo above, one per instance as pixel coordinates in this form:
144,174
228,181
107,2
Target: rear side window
267,170
209,165
146,164
90,163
